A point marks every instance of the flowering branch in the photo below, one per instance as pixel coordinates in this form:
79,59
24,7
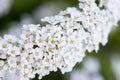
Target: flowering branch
61,43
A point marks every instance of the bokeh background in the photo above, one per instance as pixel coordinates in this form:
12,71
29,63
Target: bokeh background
103,65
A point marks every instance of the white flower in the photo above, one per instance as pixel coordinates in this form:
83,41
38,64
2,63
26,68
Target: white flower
10,38
24,76
41,39
12,69
12,61
13,50
29,47
75,15
38,54
66,68
32,28
27,58
3,55
25,68
47,60
46,70
3,68
3,44
54,19
53,66
25,35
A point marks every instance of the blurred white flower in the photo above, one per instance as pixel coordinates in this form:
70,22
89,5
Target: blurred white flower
5,6
93,63
43,10
89,71
115,65
15,27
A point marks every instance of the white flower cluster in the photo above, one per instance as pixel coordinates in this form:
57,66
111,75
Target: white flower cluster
61,43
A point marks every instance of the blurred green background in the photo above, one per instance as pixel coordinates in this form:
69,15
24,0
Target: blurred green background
30,11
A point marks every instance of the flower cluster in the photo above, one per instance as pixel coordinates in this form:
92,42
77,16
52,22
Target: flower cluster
61,43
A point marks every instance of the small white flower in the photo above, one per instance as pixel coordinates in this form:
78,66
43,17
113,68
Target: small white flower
53,66
29,47
3,69
10,38
54,19
13,50
47,60
41,39
25,35
46,70
38,53
3,55
24,76
12,61
3,44
32,28
66,68
27,58
12,69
